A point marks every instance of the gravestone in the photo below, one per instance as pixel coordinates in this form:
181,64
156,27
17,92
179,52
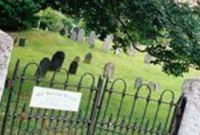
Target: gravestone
44,67
74,65
118,51
148,58
57,60
81,35
6,44
138,82
63,32
131,51
91,39
152,85
73,36
88,58
107,43
157,86
109,70
22,42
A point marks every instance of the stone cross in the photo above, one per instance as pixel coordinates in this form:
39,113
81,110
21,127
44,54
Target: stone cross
6,44
190,124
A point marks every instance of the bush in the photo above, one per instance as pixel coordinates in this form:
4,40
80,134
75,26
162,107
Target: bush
53,20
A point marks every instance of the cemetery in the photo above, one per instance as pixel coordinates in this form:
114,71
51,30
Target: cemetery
64,77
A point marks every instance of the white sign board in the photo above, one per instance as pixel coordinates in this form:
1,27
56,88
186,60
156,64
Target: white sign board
55,99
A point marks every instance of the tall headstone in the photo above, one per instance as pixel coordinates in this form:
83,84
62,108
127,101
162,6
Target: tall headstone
74,33
81,35
6,44
109,70
148,58
88,58
74,65
43,67
107,43
57,60
91,39
138,82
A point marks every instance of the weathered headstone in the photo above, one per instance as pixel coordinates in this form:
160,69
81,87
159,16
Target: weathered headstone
57,60
138,82
190,122
74,65
43,67
81,35
109,70
6,44
118,51
73,35
148,58
107,43
131,51
88,58
22,42
91,39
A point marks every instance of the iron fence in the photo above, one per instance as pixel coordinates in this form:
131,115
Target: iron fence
106,107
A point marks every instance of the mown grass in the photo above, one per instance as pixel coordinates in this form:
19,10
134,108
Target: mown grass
40,44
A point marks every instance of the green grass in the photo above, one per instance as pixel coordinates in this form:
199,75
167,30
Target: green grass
40,44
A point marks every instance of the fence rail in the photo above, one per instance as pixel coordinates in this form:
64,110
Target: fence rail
106,107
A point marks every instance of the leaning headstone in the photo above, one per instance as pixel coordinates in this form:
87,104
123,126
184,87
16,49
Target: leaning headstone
109,70
91,39
138,82
6,44
57,60
107,43
81,35
43,67
148,58
74,65
131,51
88,58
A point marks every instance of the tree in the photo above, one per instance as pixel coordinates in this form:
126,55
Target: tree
170,30
18,14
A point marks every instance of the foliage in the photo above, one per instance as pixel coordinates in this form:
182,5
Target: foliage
53,19
171,30
18,14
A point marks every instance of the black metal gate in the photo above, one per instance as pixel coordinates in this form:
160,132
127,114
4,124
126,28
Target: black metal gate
106,107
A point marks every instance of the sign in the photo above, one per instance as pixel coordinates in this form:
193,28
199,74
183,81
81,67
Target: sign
55,99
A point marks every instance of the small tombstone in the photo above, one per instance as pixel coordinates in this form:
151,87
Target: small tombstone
44,67
22,42
157,86
148,58
107,43
118,51
138,82
109,70
91,39
57,60
81,34
152,85
74,65
88,58
131,51
62,32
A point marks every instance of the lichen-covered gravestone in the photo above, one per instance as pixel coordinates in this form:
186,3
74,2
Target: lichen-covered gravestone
88,58
6,43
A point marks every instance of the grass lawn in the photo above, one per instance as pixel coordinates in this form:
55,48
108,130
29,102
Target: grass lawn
40,44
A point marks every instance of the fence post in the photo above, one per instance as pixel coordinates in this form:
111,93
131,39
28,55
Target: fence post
7,111
190,123
95,108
